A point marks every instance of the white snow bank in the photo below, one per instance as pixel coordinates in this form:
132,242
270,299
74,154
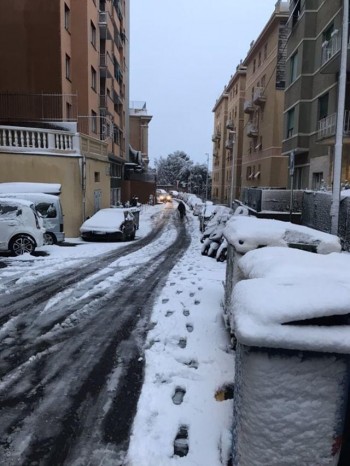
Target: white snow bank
247,233
286,285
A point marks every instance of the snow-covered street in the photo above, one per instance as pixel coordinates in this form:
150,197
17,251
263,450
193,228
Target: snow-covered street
113,353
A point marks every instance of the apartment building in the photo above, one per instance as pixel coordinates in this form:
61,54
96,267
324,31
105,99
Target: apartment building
227,139
68,61
139,121
219,151
263,164
311,96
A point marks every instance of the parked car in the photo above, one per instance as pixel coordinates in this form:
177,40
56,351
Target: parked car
163,196
49,207
21,229
111,224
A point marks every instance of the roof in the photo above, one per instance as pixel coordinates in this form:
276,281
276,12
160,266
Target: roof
24,187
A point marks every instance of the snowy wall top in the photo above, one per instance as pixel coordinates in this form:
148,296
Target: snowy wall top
293,299
48,188
248,233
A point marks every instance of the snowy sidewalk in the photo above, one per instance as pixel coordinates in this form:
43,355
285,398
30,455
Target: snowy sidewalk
187,354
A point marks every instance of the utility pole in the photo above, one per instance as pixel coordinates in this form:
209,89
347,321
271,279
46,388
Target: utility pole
338,150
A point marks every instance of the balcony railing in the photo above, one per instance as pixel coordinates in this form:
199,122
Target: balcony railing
23,139
229,144
248,106
331,47
229,124
216,136
252,129
259,97
327,126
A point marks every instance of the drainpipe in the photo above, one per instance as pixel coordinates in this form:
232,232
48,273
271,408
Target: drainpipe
340,122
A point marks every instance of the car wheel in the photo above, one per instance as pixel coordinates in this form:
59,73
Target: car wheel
49,239
22,244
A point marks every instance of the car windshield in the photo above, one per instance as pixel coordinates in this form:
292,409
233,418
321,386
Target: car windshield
46,209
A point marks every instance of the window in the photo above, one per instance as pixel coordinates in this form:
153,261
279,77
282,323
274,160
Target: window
317,180
259,62
93,34
263,81
93,121
97,177
265,51
327,34
66,17
68,67
68,111
323,106
290,123
249,173
254,65
93,78
293,67
296,12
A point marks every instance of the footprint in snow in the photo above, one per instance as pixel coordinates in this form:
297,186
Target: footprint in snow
182,342
197,301
192,294
178,395
179,291
181,446
169,313
186,312
189,328
192,363
165,300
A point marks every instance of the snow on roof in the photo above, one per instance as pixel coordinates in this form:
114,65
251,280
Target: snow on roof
15,201
31,196
48,188
285,285
248,233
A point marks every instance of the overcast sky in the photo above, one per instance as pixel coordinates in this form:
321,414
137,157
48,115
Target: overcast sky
182,53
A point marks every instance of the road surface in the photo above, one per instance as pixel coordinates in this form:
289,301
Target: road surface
71,352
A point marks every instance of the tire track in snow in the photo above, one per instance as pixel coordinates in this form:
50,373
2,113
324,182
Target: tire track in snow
63,387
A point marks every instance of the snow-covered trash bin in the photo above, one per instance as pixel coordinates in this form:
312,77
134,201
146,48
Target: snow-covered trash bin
292,321
244,234
136,213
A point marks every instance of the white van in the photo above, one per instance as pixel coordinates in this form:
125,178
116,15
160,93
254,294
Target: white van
21,229
49,207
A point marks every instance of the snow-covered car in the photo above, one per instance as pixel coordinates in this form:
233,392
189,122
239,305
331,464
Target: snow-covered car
21,229
111,224
163,196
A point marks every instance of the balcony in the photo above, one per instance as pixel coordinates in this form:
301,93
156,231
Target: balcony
216,136
259,97
105,63
229,124
330,54
327,127
105,24
252,129
248,106
229,144
35,140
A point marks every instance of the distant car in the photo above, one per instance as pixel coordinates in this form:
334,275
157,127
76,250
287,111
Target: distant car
21,229
163,196
109,225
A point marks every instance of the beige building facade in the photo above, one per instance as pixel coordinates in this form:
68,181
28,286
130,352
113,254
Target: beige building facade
228,140
248,117
139,125
263,164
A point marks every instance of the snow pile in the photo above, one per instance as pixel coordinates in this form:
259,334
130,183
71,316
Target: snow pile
288,285
247,233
